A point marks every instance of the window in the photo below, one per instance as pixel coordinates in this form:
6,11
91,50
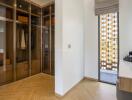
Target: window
109,41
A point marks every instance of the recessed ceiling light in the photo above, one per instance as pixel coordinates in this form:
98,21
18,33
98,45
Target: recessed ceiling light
20,6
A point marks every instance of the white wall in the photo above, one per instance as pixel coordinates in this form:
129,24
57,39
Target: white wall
91,37
125,36
125,27
69,32
58,48
91,40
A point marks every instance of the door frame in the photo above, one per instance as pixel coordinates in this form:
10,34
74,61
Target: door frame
117,51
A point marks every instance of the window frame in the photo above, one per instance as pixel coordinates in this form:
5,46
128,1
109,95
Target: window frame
118,50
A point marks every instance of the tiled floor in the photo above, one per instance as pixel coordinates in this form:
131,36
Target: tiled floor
41,87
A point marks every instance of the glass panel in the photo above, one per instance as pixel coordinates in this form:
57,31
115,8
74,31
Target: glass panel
7,2
6,44
46,11
6,13
22,45
35,44
53,9
36,10
109,47
6,52
9,51
2,51
46,58
109,41
52,39
46,41
22,5
35,20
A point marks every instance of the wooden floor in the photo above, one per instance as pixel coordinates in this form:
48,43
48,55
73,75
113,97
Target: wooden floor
41,87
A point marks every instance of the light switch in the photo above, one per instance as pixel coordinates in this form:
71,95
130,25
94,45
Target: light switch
69,46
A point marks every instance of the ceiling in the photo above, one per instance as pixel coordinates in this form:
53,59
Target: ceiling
41,2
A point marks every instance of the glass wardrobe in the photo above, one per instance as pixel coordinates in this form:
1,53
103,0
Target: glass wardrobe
25,39
6,41
20,40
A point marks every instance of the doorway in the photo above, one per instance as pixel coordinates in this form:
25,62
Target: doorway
108,47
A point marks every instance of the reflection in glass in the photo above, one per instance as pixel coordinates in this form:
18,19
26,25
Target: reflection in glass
6,52
22,45
22,5
7,2
35,40
35,44
6,13
46,46
6,43
48,39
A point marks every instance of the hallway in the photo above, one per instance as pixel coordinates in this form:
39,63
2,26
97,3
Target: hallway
41,87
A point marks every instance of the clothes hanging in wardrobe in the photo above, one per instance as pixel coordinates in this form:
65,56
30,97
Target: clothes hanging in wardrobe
23,40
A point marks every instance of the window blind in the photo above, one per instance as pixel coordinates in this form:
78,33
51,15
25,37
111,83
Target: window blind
106,6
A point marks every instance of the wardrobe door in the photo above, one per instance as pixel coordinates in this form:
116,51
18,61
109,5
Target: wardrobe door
9,52
22,39
53,39
46,41
6,52
35,40
6,42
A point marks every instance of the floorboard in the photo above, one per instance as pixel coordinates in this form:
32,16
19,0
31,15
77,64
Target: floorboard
41,87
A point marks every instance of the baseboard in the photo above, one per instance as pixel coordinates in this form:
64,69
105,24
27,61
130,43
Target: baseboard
88,78
91,79
60,96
